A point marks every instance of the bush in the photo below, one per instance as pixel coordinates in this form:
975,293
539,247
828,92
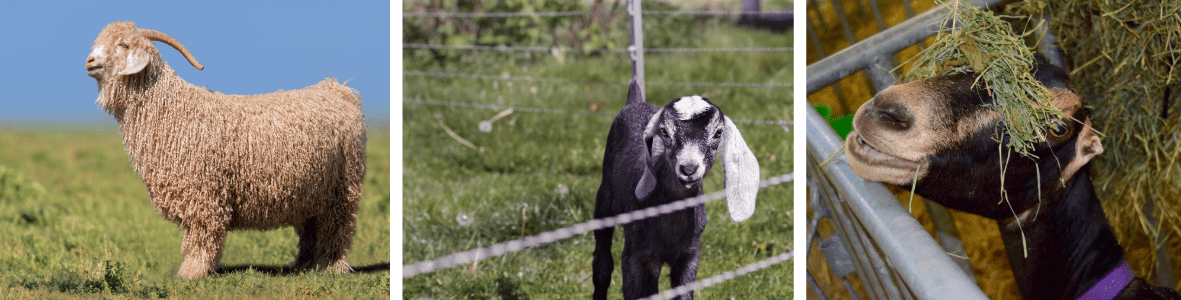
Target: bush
588,34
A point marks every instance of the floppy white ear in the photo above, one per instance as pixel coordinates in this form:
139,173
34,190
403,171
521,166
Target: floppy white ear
648,181
136,61
742,173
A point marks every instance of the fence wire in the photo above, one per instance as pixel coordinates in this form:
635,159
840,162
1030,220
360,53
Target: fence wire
503,107
508,77
547,237
569,49
716,279
580,13
560,111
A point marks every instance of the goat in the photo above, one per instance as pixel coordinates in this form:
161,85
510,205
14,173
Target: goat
657,156
214,162
940,130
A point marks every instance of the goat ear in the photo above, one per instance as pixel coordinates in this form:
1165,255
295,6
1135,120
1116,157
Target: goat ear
137,59
648,181
742,173
1086,147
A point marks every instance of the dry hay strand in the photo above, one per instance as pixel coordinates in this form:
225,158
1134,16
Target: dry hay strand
1126,66
979,41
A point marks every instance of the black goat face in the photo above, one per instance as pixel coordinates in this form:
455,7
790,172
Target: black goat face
682,139
939,131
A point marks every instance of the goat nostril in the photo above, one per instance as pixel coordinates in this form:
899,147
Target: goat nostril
895,117
688,170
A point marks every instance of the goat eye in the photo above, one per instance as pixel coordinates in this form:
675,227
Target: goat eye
1059,130
718,134
663,132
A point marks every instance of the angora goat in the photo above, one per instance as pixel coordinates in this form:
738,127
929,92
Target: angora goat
214,162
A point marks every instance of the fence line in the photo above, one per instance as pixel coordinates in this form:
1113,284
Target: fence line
569,49
503,107
716,279
508,77
580,13
547,237
560,111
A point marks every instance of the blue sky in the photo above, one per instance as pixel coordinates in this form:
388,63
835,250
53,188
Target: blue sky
246,48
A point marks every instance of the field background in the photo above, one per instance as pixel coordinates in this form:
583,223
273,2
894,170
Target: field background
76,222
540,171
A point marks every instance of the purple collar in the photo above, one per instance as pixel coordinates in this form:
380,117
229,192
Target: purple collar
1110,285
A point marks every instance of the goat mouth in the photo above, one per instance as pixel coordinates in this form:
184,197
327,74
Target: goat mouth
871,163
93,71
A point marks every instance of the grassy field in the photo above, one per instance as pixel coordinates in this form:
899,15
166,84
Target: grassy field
536,172
76,222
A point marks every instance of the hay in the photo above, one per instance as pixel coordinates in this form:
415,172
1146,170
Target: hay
1126,58
981,42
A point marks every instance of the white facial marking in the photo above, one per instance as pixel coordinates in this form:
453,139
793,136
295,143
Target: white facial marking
691,154
690,106
97,52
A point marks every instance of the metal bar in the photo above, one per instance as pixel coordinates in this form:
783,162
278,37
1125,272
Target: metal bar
815,40
856,57
849,286
819,16
636,50
853,242
816,287
840,12
921,264
880,72
908,8
877,15
881,267
949,236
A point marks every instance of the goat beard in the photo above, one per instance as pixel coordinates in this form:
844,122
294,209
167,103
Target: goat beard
116,92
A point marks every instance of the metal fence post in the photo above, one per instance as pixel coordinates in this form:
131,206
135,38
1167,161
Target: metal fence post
636,49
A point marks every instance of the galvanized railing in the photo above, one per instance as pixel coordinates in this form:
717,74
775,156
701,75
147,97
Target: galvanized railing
875,236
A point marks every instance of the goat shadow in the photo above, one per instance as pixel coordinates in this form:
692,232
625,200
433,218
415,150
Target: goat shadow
283,270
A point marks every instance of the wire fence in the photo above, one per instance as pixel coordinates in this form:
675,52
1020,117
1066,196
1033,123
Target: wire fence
570,231
455,259
570,49
560,111
508,77
580,13
716,279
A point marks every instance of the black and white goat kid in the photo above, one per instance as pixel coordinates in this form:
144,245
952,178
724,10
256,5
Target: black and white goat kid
939,131
657,156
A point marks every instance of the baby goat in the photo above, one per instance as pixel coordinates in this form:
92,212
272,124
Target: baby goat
939,131
657,156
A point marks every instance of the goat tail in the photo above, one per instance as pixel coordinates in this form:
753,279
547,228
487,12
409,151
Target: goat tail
634,93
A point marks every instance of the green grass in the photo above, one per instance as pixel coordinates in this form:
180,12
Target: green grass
513,188
76,222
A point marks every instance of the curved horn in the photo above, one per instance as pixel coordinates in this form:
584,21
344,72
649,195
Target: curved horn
164,38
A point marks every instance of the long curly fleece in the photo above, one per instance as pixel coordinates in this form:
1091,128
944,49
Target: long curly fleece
214,162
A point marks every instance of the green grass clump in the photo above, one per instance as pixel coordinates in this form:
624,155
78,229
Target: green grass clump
539,171
82,226
982,43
